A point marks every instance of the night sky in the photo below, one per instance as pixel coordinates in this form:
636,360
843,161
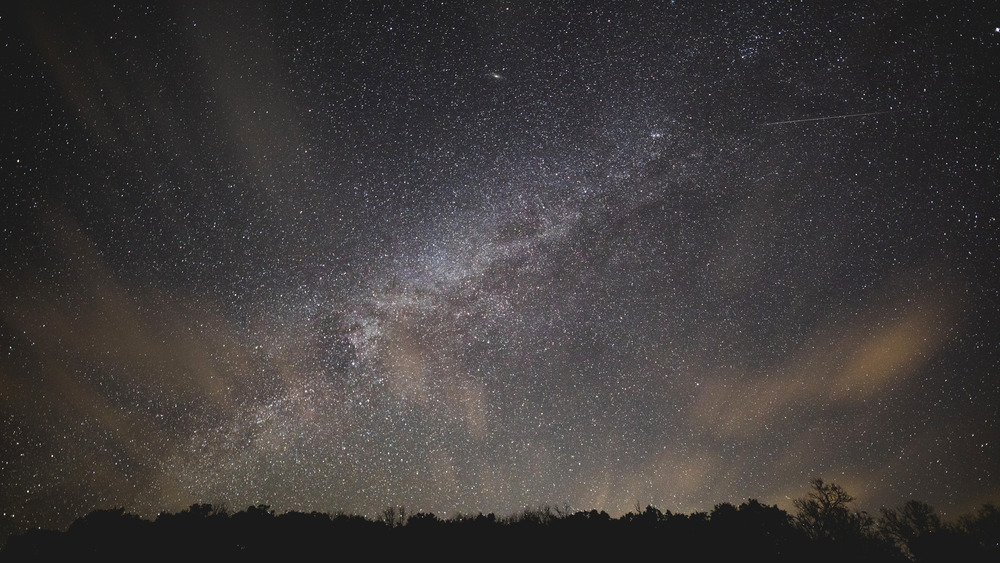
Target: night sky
485,256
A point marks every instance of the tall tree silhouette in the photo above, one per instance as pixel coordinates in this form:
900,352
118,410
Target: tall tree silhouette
839,533
824,513
912,527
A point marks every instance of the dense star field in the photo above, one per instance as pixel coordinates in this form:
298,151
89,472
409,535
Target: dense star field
493,255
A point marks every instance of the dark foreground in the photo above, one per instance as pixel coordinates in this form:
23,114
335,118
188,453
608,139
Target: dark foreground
824,529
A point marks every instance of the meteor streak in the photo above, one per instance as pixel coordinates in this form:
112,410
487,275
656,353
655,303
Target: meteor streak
826,118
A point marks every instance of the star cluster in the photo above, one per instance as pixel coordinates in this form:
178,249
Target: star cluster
483,256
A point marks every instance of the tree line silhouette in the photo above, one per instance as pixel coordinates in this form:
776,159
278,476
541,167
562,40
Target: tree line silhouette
824,528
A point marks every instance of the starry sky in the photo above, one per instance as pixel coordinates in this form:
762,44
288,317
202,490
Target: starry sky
483,256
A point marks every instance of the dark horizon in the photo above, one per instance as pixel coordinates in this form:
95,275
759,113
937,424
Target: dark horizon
476,257
824,527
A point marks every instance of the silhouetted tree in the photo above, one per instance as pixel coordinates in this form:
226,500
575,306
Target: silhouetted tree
766,531
393,517
108,531
651,516
824,513
837,531
911,527
824,529
982,530
422,520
